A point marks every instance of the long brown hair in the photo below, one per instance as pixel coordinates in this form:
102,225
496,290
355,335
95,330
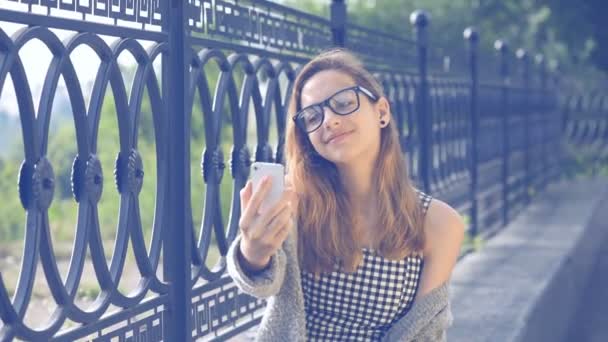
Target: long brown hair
326,229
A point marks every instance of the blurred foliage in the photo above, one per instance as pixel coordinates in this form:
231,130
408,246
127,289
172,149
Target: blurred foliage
63,212
570,34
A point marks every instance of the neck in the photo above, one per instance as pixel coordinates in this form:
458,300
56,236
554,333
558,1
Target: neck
358,180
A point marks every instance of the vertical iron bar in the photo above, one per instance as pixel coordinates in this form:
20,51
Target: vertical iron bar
523,57
338,22
542,112
472,37
177,241
503,50
420,20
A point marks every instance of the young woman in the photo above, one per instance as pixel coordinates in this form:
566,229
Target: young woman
369,256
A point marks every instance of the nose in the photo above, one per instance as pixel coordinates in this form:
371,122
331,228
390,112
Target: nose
331,118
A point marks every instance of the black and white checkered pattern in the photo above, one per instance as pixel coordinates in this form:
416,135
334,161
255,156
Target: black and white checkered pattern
361,306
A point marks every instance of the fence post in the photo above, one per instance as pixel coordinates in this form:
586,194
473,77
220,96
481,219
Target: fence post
472,37
420,20
338,22
177,244
522,55
503,50
542,108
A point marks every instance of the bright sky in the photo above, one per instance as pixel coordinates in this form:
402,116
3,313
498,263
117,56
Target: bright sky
36,57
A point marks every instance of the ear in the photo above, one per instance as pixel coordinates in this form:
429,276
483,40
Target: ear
383,108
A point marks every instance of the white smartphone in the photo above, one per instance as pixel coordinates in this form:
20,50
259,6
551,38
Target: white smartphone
277,175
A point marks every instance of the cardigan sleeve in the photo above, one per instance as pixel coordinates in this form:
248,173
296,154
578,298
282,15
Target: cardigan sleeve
436,329
427,321
262,284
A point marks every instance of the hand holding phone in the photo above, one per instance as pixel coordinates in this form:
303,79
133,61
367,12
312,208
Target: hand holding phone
276,172
266,215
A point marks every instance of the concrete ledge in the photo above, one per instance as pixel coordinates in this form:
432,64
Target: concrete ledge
525,283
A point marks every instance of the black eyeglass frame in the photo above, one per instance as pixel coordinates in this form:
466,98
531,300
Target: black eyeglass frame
326,103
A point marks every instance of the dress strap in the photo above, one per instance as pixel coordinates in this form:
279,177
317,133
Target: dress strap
425,200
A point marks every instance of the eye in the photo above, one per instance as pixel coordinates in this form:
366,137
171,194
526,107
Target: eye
311,117
343,103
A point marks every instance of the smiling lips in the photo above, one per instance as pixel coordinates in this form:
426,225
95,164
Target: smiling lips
337,137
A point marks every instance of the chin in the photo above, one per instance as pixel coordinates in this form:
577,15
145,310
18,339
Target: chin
342,158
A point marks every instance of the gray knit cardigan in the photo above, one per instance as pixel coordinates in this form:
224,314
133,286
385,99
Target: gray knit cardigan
284,318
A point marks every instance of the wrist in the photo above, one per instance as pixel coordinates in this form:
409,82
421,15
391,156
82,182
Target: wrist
250,265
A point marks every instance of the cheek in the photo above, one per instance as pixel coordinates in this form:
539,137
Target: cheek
315,139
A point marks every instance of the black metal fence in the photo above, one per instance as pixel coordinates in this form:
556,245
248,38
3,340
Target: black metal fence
485,135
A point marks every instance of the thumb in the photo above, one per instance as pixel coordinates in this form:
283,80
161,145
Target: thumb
245,194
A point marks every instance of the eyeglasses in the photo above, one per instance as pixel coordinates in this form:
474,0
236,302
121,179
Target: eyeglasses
343,102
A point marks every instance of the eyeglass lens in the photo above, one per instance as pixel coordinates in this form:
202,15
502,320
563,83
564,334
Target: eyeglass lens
342,103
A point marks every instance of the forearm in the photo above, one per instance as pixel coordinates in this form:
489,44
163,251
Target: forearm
262,283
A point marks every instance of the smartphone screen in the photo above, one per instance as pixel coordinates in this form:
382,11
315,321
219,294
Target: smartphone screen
277,175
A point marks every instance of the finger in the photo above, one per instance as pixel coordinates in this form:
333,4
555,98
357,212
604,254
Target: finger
292,197
254,202
278,221
291,189
282,233
265,223
260,194
245,194
275,209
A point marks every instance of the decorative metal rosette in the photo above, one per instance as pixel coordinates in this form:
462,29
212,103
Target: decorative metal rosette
87,178
43,184
213,165
129,172
36,184
93,179
24,183
241,162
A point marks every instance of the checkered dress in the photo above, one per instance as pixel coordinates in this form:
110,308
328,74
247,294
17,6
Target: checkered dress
361,306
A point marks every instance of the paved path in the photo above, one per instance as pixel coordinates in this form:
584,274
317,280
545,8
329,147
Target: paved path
591,323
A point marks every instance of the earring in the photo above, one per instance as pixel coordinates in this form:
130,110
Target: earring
382,122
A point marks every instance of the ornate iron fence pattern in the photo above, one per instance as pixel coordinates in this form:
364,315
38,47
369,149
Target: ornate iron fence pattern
484,144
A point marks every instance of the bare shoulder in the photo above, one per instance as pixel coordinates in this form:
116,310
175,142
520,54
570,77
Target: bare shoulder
443,226
444,230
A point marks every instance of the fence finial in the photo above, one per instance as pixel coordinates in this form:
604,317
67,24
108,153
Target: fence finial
521,53
503,49
501,46
420,18
471,34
